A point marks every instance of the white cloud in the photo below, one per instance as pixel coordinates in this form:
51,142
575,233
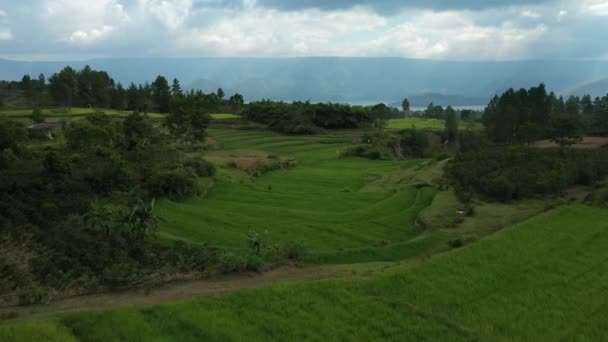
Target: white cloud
457,37
91,36
245,28
171,13
595,7
530,14
270,32
5,31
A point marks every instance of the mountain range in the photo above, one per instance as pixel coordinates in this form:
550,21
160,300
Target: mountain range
348,80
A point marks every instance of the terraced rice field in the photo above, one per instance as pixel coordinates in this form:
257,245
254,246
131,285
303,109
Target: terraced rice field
433,124
318,203
543,280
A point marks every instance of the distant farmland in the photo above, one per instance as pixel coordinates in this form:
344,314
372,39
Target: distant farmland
421,123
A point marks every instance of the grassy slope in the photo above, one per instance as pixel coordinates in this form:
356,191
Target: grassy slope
317,202
545,279
421,123
64,113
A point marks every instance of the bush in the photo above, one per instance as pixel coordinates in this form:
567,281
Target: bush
254,263
172,184
202,167
294,250
37,116
456,243
500,187
232,263
34,295
122,274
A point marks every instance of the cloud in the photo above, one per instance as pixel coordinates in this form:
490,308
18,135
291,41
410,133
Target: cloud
456,37
530,14
393,7
477,29
5,31
172,14
274,33
91,36
595,7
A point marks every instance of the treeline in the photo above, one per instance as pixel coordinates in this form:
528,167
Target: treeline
309,118
526,115
92,88
501,163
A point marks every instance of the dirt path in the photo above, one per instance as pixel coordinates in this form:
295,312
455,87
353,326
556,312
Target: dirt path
178,291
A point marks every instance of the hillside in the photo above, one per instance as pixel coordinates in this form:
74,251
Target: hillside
353,80
544,279
598,87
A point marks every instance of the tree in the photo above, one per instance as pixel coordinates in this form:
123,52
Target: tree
176,88
40,90
64,86
12,133
27,88
142,223
220,94
380,114
188,119
586,104
236,102
434,112
132,97
405,105
37,116
451,124
161,94
119,98
138,131
572,105
565,130
600,114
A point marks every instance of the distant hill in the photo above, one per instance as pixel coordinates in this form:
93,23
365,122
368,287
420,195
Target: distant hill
349,80
595,88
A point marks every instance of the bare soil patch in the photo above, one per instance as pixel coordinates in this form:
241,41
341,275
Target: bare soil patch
178,291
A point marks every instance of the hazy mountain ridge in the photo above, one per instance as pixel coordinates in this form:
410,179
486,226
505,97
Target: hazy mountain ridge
353,80
598,87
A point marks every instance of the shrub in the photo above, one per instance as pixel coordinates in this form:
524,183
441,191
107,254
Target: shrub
37,116
232,263
254,263
202,167
122,274
456,243
34,295
500,187
294,250
172,184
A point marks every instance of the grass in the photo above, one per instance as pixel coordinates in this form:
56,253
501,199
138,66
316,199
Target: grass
55,113
317,203
221,116
543,280
67,113
433,124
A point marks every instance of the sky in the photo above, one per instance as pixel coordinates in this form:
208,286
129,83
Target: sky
436,29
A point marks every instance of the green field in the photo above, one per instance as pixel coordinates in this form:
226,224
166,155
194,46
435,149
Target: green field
420,123
543,280
318,203
67,113
220,116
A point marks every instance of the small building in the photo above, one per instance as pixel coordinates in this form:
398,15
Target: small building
43,130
